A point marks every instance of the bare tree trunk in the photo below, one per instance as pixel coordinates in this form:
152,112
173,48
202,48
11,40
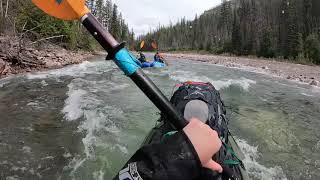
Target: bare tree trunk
45,39
1,9
14,27
1,17
7,7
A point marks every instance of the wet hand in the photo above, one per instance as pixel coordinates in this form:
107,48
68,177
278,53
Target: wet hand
205,141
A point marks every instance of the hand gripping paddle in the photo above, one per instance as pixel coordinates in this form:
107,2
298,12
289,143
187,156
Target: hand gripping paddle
77,10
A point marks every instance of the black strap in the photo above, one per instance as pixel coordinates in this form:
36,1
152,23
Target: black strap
112,54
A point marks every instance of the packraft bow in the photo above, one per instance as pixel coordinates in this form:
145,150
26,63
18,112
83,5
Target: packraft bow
203,101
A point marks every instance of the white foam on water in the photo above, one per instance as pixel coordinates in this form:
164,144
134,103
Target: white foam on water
263,99
98,121
156,72
243,83
251,69
267,72
5,81
78,70
15,177
33,104
47,158
315,89
119,87
39,75
305,94
255,169
16,168
72,109
122,148
183,76
74,164
26,149
39,175
4,162
27,128
67,155
317,146
44,83
2,84
98,175
83,101
31,171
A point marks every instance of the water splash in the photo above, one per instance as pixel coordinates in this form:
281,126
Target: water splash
84,103
183,76
255,169
79,70
72,109
44,83
98,175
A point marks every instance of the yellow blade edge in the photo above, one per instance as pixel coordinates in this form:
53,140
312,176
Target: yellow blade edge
63,9
154,45
142,44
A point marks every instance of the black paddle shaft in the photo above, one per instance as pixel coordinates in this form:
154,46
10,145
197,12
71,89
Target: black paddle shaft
107,41
158,99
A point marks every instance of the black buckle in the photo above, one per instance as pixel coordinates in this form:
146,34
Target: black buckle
115,50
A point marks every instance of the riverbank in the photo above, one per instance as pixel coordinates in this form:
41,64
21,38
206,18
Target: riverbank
296,72
18,57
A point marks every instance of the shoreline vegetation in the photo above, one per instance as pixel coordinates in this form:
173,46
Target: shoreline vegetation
280,29
277,44
308,74
16,60
30,40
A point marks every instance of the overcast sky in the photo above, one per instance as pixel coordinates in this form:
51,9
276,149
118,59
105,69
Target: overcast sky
143,15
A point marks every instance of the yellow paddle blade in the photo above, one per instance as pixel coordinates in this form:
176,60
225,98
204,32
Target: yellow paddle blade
154,45
63,9
142,44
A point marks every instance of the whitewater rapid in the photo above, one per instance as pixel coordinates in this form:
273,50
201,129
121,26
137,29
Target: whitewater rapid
81,96
109,117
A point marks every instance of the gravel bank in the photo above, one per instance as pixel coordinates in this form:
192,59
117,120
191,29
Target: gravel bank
297,72
15,59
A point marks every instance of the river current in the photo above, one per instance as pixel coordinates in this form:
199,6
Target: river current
85,121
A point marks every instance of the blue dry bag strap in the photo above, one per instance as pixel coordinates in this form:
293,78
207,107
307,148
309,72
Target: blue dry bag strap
127,62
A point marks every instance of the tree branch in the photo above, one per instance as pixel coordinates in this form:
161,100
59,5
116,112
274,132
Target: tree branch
44,39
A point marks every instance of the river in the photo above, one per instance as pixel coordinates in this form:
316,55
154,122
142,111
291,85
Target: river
85,121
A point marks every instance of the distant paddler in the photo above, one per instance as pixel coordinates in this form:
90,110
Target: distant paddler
142,57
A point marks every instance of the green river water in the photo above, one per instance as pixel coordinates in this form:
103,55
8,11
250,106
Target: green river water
85,121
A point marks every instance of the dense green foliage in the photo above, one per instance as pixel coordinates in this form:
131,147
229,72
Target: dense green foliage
273,28
312,46
22,18
266,46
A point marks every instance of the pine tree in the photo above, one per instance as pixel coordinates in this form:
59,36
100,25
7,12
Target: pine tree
99,10
124,31
258,27
115,27
283,29
266,49
236,38
293,31
312,48
91,6
225,22
195,33
107,14
307,16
